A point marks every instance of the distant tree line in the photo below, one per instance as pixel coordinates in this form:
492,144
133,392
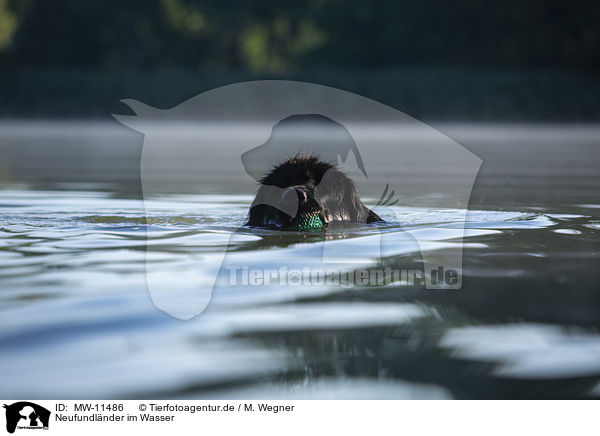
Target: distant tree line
463,60
275,36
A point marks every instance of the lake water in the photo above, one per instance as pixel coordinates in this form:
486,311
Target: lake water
77,320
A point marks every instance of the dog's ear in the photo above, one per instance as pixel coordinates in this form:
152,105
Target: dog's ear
352,166
143,114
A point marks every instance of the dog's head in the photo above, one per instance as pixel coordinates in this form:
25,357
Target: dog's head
306,193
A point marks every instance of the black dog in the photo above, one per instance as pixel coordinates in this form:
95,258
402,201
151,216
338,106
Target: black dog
305,192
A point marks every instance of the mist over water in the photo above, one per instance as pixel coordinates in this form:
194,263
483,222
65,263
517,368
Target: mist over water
77,319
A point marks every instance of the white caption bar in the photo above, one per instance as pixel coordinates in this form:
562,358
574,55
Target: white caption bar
149,417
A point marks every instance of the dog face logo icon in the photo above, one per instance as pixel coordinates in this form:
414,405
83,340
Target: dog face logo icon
386,153
26,415
311,134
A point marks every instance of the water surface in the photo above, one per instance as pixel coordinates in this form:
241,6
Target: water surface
77,320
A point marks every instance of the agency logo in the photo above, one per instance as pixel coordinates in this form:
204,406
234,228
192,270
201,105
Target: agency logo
240,132
25,415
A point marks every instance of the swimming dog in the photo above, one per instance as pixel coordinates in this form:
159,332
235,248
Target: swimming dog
307,193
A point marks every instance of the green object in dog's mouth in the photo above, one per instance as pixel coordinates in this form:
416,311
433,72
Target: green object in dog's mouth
305,224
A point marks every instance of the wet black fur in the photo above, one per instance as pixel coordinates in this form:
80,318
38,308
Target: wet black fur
328,192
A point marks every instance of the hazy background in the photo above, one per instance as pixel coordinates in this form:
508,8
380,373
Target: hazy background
468,60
